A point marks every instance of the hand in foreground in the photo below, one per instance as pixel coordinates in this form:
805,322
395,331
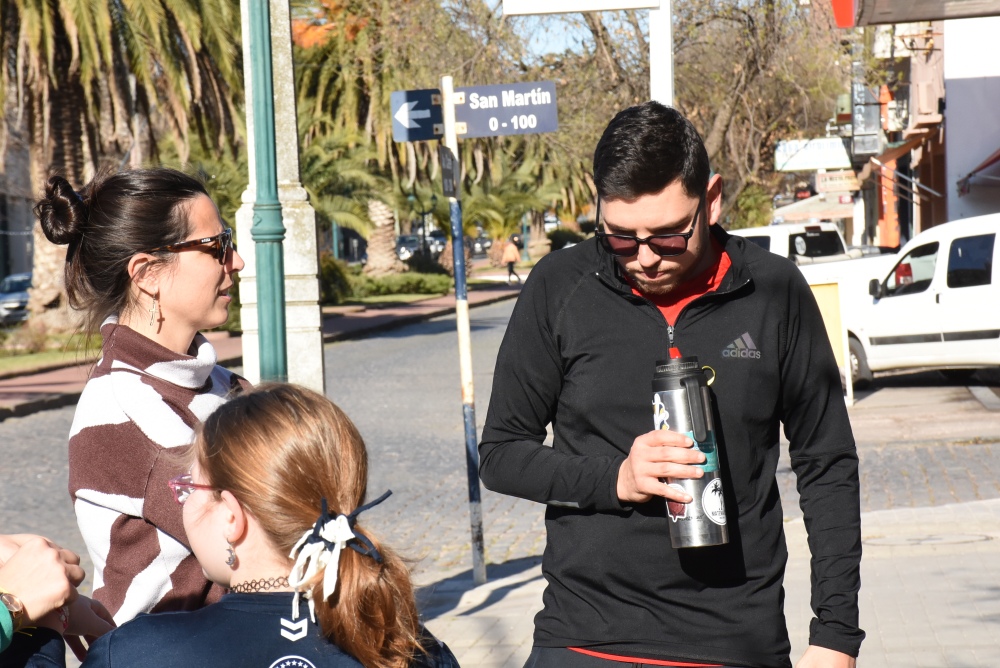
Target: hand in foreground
88,620
12,542
821,657
654,457
42,575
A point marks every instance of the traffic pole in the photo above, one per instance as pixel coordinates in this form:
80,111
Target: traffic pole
464,340
268,230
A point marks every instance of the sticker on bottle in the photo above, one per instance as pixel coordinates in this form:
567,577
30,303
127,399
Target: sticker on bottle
712,502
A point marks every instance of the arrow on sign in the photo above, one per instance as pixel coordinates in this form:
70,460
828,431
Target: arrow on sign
407,113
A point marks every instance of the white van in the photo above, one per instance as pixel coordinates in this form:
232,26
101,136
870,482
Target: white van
938,306
802,243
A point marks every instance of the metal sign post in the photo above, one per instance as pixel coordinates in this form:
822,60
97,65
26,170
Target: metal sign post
478,111
464,338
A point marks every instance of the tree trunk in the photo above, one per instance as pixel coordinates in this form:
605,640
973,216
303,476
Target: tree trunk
539,245
382,257
447,258
57,137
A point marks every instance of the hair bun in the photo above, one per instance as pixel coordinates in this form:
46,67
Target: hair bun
61,212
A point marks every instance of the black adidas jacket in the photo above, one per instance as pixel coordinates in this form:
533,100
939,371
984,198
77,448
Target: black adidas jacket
579,352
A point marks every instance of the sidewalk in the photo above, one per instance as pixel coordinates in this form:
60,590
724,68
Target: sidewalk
30,393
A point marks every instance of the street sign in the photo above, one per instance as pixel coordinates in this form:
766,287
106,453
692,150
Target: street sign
808,155
508,109
416,114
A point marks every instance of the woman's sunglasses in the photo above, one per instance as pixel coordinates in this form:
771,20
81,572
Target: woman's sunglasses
219,246
664,245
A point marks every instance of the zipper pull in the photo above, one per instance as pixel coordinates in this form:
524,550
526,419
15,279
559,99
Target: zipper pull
675,353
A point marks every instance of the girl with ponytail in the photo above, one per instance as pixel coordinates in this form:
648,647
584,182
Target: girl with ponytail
149,264
272,508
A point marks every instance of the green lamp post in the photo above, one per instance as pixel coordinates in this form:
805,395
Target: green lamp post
267,231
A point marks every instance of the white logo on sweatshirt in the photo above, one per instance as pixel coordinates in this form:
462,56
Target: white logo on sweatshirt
292,662
294,630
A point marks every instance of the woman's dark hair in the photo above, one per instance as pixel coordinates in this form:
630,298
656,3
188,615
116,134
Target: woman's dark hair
646,148
115,216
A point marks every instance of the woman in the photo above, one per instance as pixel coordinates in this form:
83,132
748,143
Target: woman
150,263
511,256
272,504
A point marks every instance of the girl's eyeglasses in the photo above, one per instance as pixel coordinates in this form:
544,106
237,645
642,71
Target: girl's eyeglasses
219,246
183,487
664,245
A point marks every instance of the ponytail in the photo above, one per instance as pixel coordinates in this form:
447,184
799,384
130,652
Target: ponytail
372,616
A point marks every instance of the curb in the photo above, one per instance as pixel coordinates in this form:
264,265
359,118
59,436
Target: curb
44,403
402,321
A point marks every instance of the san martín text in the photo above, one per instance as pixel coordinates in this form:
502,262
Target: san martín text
511,99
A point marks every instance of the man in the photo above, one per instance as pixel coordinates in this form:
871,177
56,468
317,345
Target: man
579,353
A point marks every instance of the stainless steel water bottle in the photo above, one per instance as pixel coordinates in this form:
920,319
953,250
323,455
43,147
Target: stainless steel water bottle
682,403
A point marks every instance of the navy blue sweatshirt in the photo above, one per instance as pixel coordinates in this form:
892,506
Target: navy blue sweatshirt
240,630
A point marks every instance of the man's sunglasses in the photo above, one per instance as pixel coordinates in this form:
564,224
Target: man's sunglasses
219,246
664,245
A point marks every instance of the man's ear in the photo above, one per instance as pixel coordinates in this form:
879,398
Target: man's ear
235,518
142,273
713,198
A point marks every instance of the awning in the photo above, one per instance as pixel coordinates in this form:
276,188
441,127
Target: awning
825,206
895,153
850,13
963,183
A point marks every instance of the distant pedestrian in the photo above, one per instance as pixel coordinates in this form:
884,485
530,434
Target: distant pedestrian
150,263
272,506
511,256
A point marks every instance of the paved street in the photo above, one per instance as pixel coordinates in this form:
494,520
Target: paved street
930,494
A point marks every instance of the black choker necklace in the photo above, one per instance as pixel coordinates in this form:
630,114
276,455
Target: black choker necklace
254,586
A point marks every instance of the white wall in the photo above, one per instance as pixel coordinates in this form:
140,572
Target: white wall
972,113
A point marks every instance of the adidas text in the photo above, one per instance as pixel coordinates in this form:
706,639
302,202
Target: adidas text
743,347
753,354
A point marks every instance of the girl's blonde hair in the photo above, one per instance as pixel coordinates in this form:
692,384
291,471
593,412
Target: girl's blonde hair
280,449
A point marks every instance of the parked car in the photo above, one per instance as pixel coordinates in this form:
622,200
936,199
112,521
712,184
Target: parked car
436,240
937,306
406,246
802,243
481,244
14,298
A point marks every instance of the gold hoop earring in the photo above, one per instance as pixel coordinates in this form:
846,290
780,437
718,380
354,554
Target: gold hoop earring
152,311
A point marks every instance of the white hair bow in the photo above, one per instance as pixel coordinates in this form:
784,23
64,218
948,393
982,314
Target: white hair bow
320,548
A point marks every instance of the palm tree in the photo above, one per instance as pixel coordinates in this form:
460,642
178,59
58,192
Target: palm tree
90,83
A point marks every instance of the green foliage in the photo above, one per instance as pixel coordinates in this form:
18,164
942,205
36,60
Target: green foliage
425,264
399,284
561,236
334,280
752,208
339,283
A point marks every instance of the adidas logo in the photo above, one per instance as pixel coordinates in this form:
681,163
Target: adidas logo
742,347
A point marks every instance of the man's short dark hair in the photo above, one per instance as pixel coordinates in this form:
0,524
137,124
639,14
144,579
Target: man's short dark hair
646,148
